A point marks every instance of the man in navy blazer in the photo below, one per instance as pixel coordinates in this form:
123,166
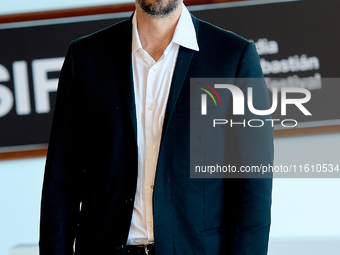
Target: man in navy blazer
92,163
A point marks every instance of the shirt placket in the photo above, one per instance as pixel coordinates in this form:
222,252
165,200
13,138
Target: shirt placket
151,145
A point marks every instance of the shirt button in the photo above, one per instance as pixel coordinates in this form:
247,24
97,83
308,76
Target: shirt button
152,146
151,107
152,186
155,68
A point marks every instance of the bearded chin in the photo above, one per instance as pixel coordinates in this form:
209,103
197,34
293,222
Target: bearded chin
159,9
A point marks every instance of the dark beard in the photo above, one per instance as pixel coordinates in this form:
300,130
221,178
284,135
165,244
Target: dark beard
158,9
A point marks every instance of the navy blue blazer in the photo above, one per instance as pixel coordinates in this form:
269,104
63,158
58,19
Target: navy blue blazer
92,155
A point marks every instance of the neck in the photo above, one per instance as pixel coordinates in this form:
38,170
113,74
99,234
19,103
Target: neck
155,34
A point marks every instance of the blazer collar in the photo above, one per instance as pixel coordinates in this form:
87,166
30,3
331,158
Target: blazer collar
127,75
184,58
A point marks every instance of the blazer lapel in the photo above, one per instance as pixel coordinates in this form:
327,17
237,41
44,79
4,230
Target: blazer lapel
182,66
127,76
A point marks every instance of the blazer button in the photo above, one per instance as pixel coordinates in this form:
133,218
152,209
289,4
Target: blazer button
120,247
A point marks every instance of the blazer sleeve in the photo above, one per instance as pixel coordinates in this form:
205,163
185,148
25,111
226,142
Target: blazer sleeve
60,197
254,148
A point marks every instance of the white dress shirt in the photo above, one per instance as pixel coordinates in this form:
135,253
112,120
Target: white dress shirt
152,82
